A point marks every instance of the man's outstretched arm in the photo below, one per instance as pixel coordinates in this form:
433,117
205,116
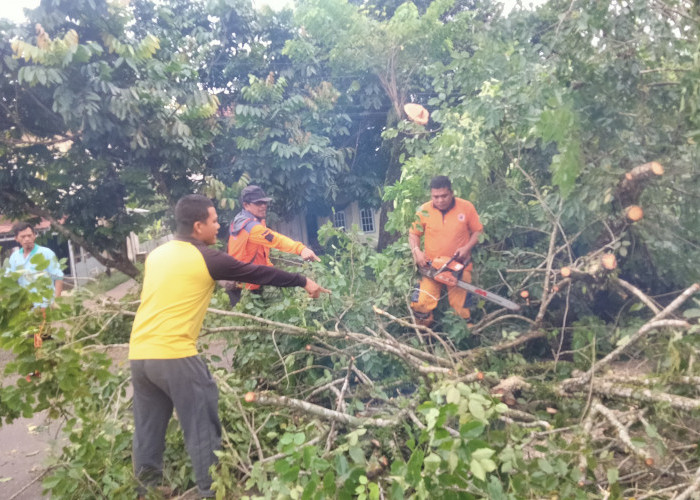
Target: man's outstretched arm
222,266
266,237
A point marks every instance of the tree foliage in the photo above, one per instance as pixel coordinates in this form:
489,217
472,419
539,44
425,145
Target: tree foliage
99,124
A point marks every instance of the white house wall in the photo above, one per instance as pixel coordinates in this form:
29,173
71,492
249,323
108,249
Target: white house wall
352,218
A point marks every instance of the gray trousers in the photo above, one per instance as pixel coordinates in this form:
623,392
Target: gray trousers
186,385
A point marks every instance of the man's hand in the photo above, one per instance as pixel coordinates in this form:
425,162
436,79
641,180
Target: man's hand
58,288
462,253
419,257
308,254
314,289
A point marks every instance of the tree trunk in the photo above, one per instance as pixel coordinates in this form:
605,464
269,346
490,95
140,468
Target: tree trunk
393,174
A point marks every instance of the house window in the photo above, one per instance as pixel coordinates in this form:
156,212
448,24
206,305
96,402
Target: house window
339,219
367,220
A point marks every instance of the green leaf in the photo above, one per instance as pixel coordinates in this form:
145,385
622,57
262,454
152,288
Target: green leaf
501,407
476,469
357,454
622,341
431,417
413,467
453,395
495,490
613,475
374,492
482,453
329,486
691,313
472,429
651,431
452,461
545,466
432,463
476,410
488,464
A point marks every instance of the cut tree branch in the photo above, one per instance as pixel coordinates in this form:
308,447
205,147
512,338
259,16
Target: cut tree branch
656,322
607,389
622,432
325,413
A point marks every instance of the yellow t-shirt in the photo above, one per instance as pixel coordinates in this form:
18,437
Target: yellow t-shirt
176,292
177,287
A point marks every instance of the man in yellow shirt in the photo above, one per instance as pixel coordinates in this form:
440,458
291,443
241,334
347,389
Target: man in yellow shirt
450,227
250,240
166,371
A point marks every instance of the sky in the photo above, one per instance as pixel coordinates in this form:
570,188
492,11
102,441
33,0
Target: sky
13,9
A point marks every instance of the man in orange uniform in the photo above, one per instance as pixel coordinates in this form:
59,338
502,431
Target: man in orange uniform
450,227
250,239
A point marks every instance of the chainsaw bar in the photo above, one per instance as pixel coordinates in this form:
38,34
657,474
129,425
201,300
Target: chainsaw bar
484,294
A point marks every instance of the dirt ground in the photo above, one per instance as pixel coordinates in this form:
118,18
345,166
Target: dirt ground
27,443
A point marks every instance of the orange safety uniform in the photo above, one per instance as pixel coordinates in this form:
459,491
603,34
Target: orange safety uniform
444,233
250,241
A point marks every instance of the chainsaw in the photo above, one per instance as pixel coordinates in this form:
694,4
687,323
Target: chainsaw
447,271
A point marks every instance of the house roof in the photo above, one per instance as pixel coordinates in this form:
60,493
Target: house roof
6,226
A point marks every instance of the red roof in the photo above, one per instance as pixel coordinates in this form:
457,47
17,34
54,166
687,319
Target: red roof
6,225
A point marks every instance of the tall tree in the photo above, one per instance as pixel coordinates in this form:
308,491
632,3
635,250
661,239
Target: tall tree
543,114
392,51
99,121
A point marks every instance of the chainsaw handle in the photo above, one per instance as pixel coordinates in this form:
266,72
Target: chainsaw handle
467,262
429,263
444,266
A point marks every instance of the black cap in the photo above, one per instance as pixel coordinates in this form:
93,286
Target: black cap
252,193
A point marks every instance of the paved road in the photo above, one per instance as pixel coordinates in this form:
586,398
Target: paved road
24,446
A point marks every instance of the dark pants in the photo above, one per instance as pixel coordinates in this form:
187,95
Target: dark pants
186,385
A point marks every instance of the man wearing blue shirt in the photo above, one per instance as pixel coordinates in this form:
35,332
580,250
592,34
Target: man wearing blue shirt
21,261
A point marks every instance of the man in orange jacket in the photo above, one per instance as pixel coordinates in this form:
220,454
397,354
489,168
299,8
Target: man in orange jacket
450,227
250,239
